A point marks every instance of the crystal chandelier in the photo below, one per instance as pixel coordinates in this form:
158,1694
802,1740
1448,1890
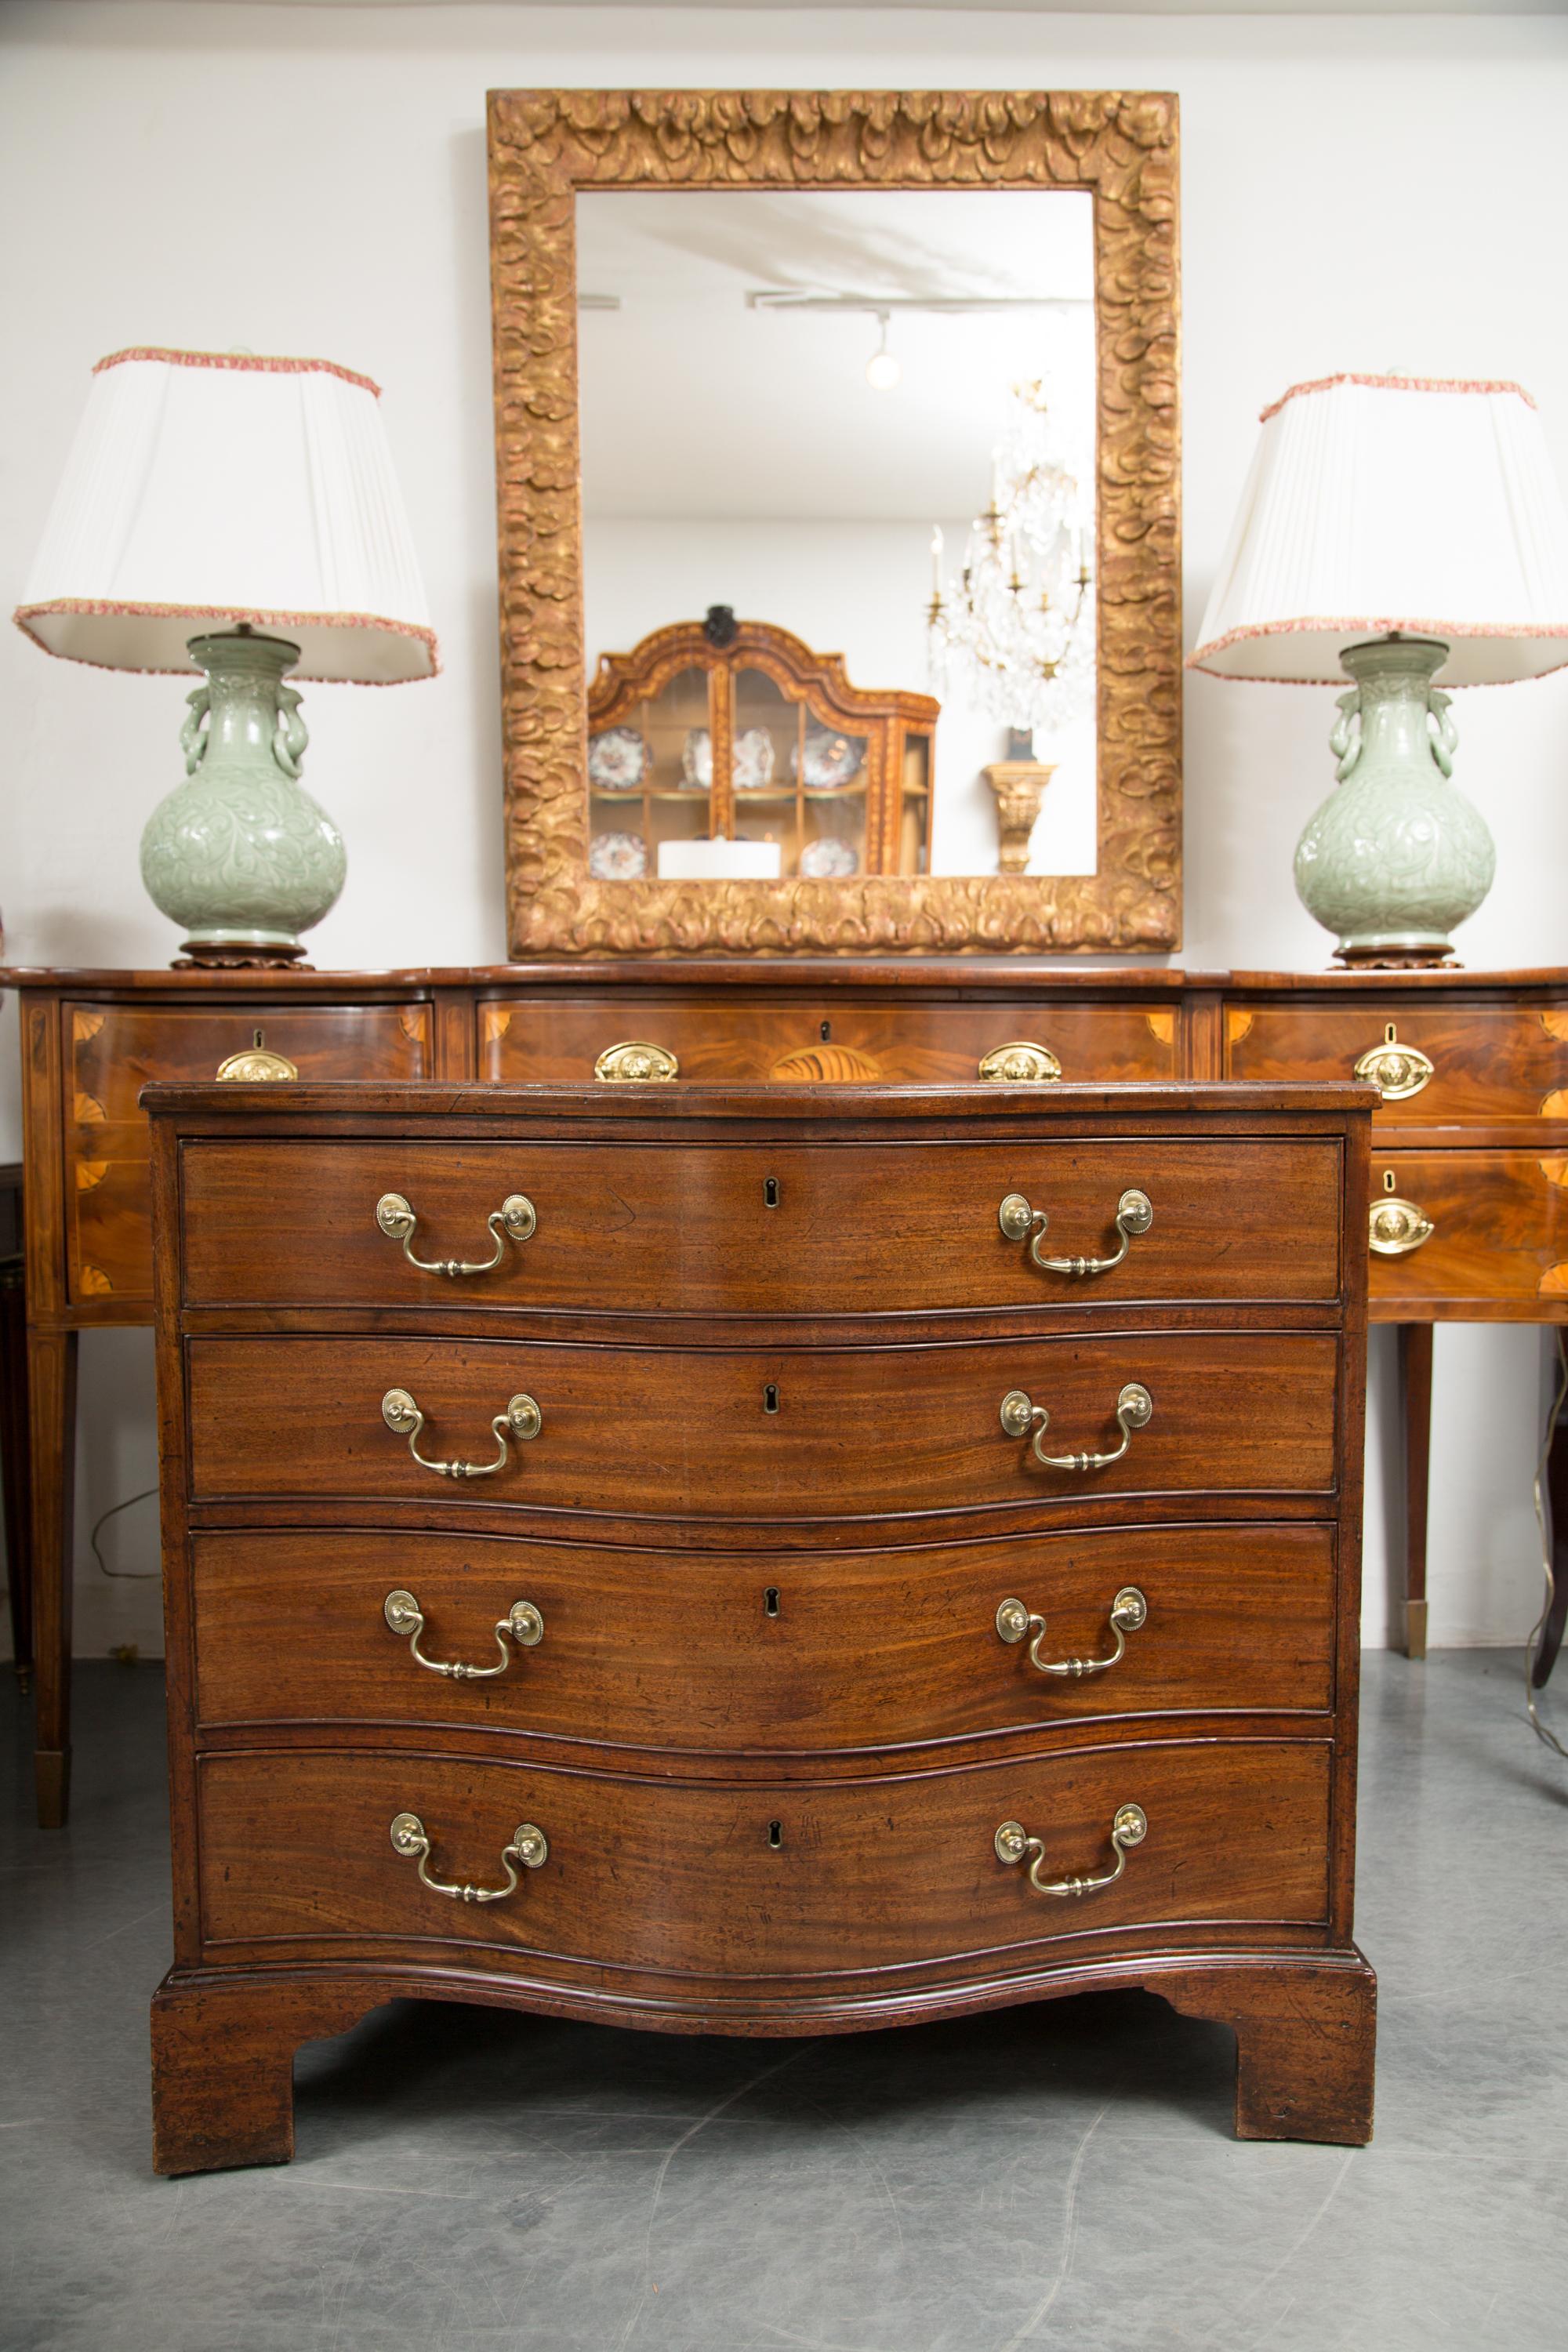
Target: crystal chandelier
1015,637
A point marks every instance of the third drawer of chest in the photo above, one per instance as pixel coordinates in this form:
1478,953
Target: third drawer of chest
760,1434
787,1651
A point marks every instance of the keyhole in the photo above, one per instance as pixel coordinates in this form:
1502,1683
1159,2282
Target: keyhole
771,1397
257,1041
771,1601
826,1031
1388,1180
775,1834
1390,1037
770,1191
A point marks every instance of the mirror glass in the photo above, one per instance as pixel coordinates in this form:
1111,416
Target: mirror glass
855,424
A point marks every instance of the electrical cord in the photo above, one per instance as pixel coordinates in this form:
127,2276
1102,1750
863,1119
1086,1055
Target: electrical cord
122,1575
1541,1730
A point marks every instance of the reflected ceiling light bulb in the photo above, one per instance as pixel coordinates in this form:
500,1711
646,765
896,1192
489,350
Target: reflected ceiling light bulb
882,369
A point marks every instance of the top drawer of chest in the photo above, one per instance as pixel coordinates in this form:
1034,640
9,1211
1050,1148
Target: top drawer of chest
918,1040
1437,1063
764,1228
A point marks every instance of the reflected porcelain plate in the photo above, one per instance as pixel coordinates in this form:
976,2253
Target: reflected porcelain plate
828,860
617,856
618,760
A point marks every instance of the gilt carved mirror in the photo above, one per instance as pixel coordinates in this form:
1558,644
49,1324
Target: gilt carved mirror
837,473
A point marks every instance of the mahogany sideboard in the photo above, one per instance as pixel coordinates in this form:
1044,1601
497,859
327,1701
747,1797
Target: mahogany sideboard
760,1560
1470,1144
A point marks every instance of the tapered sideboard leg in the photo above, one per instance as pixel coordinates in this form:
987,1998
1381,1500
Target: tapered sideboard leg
1415,1396
223,2068
1306,2035
51,1384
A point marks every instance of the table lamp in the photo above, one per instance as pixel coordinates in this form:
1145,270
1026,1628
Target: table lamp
1411,533
239,516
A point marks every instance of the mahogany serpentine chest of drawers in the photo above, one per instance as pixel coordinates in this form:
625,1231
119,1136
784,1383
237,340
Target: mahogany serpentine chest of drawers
759,1560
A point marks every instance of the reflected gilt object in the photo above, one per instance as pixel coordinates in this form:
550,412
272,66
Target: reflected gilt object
1020,787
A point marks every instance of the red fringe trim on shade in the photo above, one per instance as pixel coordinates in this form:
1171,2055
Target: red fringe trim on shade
1392,384
1448,630
243,360
232,614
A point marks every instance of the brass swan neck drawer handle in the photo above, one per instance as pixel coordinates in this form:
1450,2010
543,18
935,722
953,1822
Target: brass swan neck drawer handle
522,1623
1129,1611
1020,1063
1398,1071
1019,1222
529,1847
1013,1845
521,1420
514,1220
637,1063
1020,1414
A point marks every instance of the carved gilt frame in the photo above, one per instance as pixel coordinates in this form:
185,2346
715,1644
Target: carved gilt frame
1122,147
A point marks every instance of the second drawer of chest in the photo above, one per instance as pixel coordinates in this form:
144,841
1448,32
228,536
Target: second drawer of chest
784,1652
755,1880
759,1433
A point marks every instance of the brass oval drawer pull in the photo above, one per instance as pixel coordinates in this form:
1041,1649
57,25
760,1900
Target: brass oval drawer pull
1395,1227
1020,1063
529,1847
521,1420
1134,1215
522,1623
1129,1611
1398,1071
514,1220
1013,1844
636,1062
1020,1414
255,1065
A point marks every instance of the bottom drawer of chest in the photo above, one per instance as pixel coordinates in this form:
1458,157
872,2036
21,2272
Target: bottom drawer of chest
784,1879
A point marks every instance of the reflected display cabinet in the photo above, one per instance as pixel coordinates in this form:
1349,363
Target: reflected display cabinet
734,731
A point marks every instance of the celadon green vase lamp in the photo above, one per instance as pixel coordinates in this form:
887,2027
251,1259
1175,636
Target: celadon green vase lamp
238,516
1409,533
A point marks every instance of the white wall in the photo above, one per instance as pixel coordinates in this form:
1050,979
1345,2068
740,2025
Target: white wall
1356,193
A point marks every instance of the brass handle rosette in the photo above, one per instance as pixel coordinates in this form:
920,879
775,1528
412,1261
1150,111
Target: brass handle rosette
514,1220
1019,1222
522,1624
1128,1828
1021,1062
529,1849
1020,1415
1129,1611
1398,1071
637,1063
521,1421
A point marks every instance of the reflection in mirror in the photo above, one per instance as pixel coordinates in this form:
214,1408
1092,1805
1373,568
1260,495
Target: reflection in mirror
839,533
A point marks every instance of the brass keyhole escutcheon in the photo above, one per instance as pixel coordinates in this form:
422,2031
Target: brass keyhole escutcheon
770,1191
771,1601
770,1396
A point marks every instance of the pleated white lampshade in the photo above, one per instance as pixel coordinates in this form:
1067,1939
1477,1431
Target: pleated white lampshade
206,489
1378,503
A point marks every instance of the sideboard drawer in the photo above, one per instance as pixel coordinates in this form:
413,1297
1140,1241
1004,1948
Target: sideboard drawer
113,1050
1487,1061
757,1650
771,1434
1497,1243
694,1229
715,1037
682,1875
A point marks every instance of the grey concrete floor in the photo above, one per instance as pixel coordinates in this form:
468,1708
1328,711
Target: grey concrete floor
469,2181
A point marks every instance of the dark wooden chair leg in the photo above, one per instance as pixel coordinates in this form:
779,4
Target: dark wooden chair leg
15,1490
1306,2038
51,1397
222,2067
1556,1499
1416,1392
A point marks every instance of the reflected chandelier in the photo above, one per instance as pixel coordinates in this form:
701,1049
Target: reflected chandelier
1015,637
